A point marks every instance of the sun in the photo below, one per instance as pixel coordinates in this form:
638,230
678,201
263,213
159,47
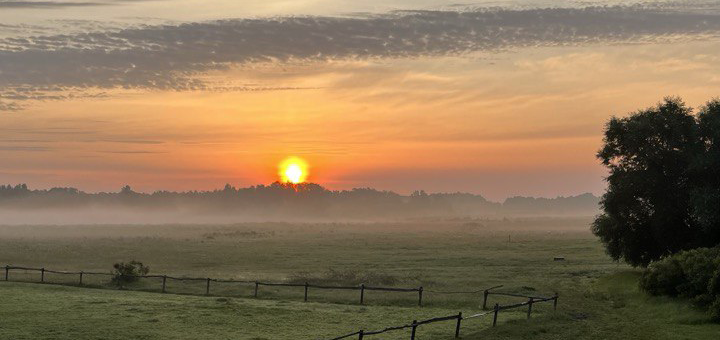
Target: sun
293,170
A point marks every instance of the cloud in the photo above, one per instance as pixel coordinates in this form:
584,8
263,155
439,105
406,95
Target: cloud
24,148
59,4
170,57
45,4
134,152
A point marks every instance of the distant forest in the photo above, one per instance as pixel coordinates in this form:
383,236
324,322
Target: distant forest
299,200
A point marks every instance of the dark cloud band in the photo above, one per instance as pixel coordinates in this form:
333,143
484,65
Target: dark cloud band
167,57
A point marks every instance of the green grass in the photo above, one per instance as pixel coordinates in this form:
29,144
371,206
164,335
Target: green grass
598,298
612,308
34,311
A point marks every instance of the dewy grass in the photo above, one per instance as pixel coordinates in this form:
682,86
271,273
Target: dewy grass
599,299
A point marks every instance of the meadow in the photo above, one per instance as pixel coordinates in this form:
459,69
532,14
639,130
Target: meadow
599,298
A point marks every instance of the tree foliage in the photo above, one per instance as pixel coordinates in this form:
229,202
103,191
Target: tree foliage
663,192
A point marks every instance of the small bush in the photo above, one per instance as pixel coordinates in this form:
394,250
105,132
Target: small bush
662,277
714,310
699,265
127,272
692,274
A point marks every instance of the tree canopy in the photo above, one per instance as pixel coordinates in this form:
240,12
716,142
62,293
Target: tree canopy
663,192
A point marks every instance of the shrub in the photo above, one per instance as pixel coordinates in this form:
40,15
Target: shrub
714,310
128,272
663,277
693,274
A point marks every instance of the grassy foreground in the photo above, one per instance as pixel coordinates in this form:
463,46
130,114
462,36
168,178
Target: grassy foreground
598,298
611,308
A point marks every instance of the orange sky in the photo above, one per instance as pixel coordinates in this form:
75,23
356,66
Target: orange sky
524,121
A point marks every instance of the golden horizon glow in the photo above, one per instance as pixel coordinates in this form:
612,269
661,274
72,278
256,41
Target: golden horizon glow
293,170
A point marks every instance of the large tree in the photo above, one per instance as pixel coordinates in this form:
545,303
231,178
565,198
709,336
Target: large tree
653,157
706,175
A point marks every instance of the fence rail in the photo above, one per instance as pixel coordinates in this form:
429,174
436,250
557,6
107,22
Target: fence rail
459,317
362,287
531,300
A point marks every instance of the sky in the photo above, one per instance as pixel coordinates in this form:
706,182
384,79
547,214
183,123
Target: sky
499,98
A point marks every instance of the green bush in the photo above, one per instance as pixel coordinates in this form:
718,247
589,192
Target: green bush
663,277
699,265
125,273
714,310
692,274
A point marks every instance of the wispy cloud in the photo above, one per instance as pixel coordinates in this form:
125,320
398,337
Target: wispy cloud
170,57
46,4
24,148
59,4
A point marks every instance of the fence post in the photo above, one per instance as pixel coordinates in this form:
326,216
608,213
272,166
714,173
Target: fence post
164,281
42,275
530,303
362,293
306,289
207,287
497,309
81,275
485,296
7,271
457,327
256,288
361,334
420,290
414,327
555,301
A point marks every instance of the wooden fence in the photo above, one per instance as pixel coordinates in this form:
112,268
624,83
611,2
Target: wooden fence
164,279
413,326
361,334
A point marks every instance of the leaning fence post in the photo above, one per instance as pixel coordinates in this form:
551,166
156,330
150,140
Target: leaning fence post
420,290
362,293
497,309
361,334
164,281
457,327
555,301
42,275
207,287
7,271
306,289
414,327
81,275
530,303
485,296
256,288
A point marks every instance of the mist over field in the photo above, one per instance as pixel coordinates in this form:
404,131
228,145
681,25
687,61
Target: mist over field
276,202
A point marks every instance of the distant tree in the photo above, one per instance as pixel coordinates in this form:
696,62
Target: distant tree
126,190
663,182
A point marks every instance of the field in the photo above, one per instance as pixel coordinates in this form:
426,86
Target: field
598,298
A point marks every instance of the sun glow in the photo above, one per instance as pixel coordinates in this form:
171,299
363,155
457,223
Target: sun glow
293,170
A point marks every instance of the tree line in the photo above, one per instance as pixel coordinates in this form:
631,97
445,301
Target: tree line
305,199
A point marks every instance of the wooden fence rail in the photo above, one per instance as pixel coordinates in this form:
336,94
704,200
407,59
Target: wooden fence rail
362,287
459,317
